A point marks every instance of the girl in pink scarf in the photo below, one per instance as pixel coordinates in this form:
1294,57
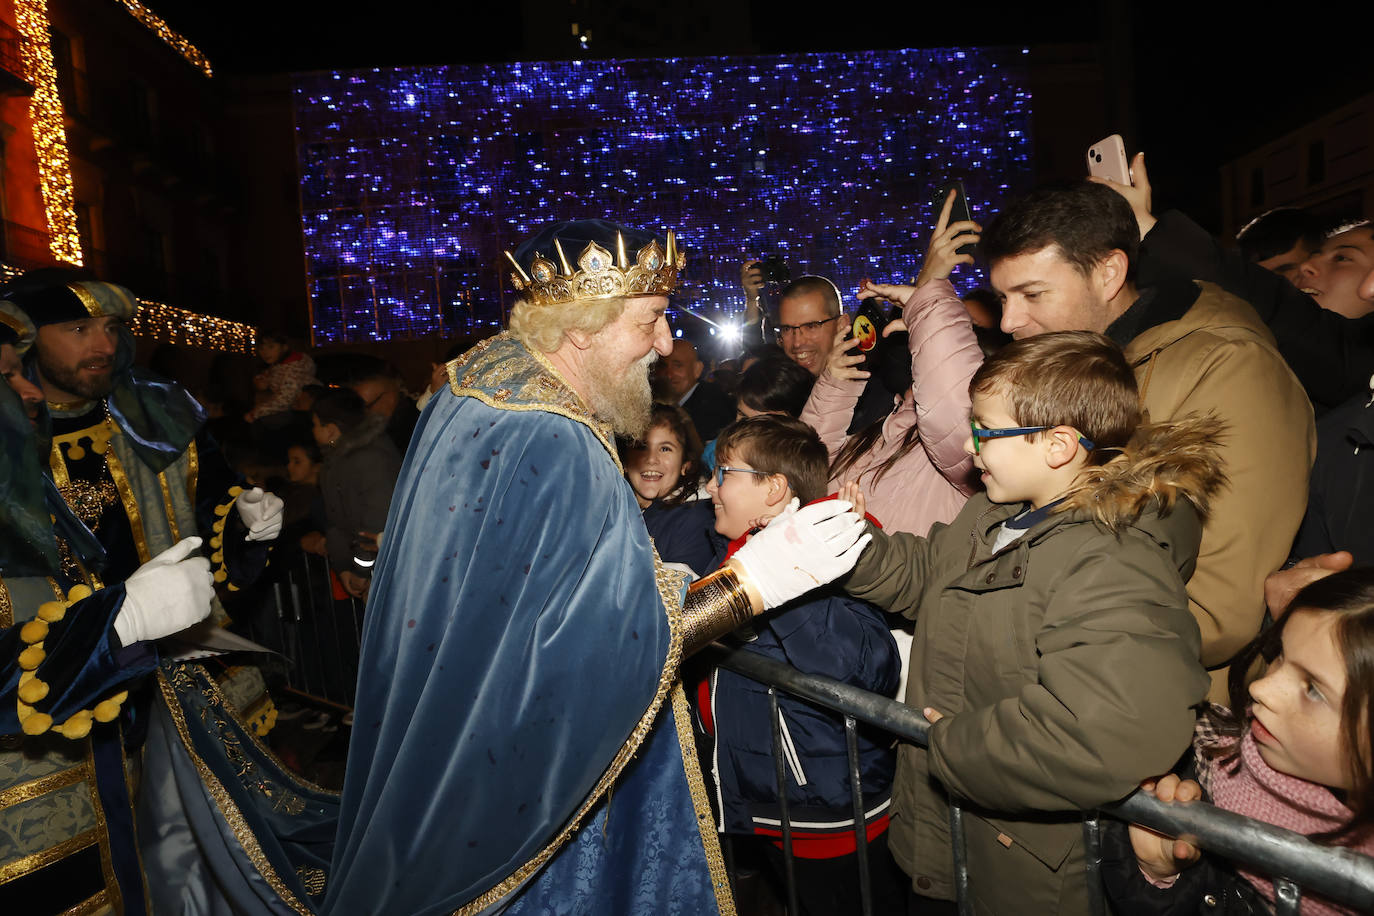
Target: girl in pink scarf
1300,756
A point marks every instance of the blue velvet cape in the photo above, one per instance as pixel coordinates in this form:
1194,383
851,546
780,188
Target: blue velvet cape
520,648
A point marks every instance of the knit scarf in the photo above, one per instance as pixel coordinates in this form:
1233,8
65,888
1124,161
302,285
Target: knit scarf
1257,790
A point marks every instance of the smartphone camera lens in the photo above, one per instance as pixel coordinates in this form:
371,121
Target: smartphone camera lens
1096,155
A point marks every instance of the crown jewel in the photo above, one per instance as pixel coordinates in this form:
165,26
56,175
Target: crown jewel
599,275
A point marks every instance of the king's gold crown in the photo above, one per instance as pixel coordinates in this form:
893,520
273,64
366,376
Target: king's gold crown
653,273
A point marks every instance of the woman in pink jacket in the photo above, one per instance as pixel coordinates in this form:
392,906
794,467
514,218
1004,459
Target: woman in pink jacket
911,465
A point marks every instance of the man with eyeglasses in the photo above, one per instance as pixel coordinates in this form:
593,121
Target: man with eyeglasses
808,312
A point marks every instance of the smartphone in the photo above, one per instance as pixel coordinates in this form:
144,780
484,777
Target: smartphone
958,211
1107,159
867,329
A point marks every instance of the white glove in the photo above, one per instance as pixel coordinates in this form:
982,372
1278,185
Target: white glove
166,595
261,512
803,549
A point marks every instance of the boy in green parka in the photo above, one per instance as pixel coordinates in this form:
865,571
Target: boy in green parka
1054,650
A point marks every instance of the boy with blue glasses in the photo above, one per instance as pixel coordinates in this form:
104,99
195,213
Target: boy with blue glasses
1054,652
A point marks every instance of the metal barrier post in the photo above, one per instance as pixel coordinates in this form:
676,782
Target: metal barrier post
299,656
1092,852
851,737
781,773
960,851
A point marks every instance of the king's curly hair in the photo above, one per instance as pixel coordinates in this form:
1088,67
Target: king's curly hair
543,327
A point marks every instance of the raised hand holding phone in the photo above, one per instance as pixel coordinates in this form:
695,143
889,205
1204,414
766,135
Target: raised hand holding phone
1107,165
946,242
845,361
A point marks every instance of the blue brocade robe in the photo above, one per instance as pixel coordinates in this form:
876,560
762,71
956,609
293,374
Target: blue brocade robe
520,738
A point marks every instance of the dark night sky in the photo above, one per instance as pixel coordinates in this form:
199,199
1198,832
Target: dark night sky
1211,80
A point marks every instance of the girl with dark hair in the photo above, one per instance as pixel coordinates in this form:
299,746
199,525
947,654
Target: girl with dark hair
665,468
1293,750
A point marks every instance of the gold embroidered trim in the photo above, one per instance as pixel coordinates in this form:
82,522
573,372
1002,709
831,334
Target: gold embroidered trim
668,582
59,467
106,858
236,714
546,392
90,302
167,505
126,496
14,324
706,825
192,471
313,879
27,791
67,406
230,811
100,903
6,606
16,868
715,606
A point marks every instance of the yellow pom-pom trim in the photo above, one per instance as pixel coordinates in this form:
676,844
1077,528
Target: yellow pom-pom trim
52,611
36,723
216,541
106,710
217,556
221,575
223,510
76,727
235,491
31,689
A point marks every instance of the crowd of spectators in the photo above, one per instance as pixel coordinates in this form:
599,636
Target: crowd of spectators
1268,345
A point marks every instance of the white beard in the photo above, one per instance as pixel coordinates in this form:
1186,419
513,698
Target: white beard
624,401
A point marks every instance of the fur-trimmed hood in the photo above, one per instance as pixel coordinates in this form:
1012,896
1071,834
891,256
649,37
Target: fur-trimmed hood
1162,463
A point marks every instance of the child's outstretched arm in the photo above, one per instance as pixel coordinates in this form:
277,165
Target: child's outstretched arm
1162,857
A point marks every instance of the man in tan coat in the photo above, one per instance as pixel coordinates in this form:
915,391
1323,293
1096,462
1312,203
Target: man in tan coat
1065,259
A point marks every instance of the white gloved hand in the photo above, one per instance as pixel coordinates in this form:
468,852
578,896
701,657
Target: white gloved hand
261,512
803,549
166,595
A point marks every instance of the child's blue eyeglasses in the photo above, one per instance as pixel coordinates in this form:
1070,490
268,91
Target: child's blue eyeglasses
979,434
722,470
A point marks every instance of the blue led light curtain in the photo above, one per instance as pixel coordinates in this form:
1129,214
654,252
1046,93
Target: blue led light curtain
414,180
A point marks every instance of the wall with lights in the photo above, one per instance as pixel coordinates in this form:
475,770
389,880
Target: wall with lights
415,179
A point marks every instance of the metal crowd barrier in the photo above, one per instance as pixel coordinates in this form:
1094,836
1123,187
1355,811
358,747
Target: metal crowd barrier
319,635
1293,861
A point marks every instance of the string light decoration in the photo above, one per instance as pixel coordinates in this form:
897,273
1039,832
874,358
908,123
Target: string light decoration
49,136
159,321
174,40
167,323
415,179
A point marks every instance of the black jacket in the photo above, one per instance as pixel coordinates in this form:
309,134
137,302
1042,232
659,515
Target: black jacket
1333,356
710,408
1211,887
356,481
1341,493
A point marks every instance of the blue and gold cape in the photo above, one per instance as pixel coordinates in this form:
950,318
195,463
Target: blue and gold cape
511,747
